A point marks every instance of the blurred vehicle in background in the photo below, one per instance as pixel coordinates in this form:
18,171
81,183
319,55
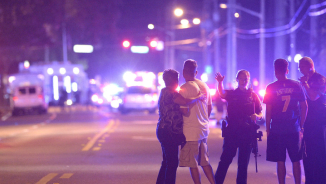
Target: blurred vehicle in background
27,93
105,95
140,93
139,98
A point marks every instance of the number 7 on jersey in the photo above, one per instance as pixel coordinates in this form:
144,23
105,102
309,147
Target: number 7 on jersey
287,99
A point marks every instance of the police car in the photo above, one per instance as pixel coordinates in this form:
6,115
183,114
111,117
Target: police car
140,92
139,98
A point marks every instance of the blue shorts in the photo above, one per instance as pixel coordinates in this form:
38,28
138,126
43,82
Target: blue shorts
277,144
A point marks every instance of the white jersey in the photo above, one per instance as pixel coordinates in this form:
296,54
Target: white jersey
196,126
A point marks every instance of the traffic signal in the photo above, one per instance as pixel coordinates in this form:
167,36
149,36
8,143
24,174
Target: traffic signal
126,44
153,43
156,44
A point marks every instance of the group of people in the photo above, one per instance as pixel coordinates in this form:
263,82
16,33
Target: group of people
295,123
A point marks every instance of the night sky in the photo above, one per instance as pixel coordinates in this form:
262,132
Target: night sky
26,28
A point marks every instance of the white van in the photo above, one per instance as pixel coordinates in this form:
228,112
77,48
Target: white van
28,99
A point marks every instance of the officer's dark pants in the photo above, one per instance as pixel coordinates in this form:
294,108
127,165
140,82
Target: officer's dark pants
315,160
230,146
170,150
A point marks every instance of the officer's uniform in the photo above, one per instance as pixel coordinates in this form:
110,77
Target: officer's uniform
238,134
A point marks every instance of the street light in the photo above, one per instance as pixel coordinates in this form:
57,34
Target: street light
184,22
150,26
126,44
223,6
196,21
178,12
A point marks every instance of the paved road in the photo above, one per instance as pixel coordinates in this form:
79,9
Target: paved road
93,146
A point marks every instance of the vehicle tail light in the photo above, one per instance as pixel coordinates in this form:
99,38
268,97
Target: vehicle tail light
40,96
15,98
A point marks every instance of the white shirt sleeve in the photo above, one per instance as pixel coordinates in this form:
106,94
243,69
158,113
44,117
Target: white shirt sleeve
183,92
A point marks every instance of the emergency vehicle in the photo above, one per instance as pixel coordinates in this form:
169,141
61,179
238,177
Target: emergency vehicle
140,92
63,83
27,93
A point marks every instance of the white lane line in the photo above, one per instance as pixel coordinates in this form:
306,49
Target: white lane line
47,178
5,117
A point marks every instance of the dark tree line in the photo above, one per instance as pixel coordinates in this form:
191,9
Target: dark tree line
32,29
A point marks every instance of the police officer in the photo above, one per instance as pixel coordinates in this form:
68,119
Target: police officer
244,108
314,128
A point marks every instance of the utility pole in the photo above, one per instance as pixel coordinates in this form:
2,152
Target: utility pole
64,43
216,19
169,51
293,65
313,32
280,41
231,64
204,29
262,46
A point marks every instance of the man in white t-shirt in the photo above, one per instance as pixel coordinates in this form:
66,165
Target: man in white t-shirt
195,125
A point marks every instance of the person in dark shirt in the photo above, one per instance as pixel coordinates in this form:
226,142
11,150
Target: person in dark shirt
314,134
286,110
169,128
244,108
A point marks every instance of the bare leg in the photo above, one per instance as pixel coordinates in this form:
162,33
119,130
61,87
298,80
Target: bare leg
195,175
296,167
281,171
208,170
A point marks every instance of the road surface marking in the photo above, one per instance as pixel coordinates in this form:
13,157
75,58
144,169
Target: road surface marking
145,138
5,117
146,122
47,178
90,143
96,148
66,175
117,122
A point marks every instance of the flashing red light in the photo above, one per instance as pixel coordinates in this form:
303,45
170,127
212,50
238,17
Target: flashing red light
14,98
40,96
153,43
126,44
